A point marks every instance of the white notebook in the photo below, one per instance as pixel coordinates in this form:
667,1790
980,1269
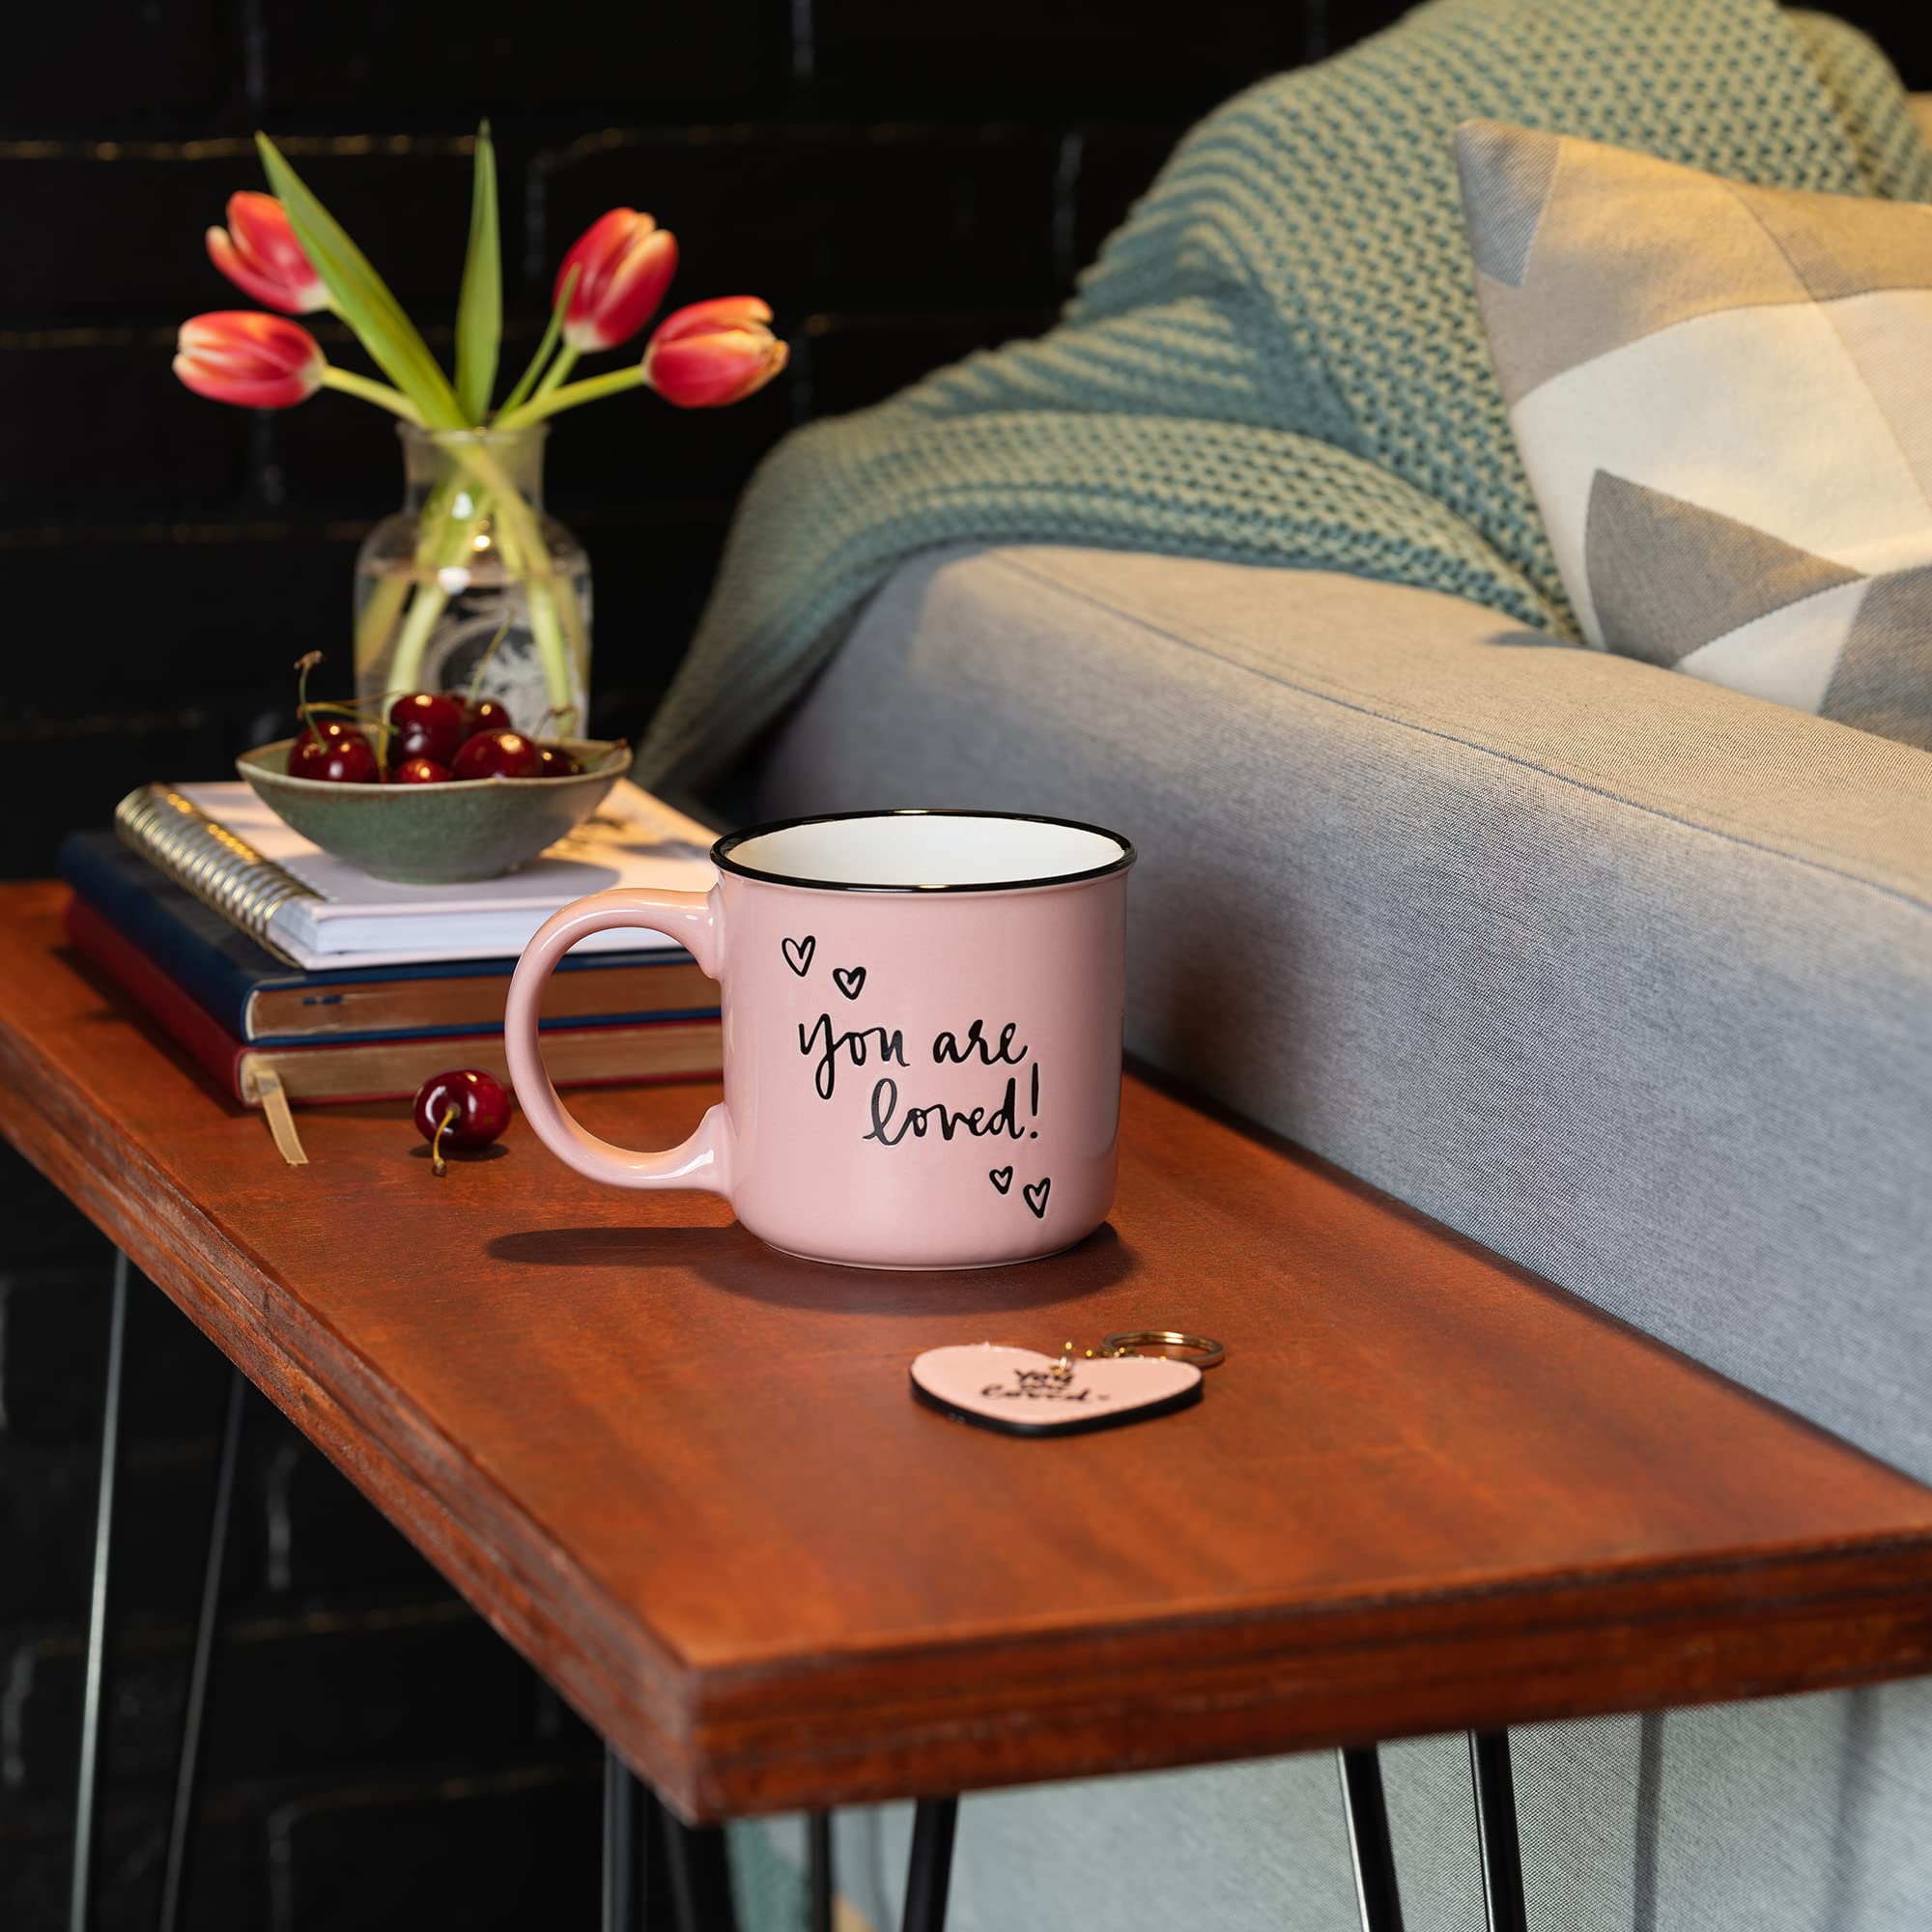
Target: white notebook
633,839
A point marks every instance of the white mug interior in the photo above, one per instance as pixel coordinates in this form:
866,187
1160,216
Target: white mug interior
924,851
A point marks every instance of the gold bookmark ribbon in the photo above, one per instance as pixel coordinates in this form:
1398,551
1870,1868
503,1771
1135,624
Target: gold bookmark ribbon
268,1085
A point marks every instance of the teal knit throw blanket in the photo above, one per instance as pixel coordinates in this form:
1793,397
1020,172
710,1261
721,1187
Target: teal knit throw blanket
1277,359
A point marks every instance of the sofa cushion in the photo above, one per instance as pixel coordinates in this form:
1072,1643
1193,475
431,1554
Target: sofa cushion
1720,395
1625,976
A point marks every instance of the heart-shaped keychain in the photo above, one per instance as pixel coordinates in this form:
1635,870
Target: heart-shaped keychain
1021,1392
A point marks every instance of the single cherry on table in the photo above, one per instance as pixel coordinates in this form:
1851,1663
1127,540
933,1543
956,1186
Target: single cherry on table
465,1108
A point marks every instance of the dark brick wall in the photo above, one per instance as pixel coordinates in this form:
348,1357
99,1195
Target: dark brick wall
905,183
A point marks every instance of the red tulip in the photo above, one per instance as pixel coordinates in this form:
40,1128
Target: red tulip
259,253
624,263
259,361
713,352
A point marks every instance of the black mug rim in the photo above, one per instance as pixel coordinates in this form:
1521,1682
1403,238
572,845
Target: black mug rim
722,850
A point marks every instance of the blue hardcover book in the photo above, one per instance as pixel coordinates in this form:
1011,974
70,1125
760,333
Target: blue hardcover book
265,1002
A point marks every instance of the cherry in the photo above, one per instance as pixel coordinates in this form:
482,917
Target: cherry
328,748
466,1109
484,715
555,762
420,772
496,755
427,724
325,747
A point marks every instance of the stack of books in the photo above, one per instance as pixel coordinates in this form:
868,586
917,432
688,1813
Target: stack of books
294,978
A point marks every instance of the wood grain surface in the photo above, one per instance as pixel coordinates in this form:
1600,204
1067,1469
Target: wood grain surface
684,1475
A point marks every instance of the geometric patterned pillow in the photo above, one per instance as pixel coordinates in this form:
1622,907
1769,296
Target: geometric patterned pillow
1722,395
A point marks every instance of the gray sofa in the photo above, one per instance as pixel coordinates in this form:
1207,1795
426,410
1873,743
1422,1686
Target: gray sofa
1625,976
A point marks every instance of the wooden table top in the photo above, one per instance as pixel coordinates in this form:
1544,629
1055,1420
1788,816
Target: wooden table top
683,1474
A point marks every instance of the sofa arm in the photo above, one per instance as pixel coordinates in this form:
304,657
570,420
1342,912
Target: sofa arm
1625,976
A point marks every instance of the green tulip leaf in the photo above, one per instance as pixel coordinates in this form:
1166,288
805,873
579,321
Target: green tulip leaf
527,381
361,297
479,306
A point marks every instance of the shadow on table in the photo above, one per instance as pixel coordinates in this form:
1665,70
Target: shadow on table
737,1263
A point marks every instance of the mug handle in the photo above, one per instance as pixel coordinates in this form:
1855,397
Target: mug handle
692,918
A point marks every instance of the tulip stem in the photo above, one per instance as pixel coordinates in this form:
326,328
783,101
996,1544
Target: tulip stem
592,389
554,328
379,393
428,604
447,542
566,361
521,540
377,619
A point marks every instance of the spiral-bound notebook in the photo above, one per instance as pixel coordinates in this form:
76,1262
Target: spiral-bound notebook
221,843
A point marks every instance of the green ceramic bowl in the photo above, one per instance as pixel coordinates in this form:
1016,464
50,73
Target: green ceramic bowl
437,835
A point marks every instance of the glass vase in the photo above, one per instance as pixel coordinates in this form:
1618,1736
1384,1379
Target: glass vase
472,584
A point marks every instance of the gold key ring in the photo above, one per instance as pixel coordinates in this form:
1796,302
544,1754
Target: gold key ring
1131,1340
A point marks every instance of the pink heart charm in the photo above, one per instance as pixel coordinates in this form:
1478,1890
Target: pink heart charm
1015,1390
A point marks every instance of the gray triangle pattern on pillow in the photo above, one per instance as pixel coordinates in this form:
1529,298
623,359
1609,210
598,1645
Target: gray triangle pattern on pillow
1506,173
1668,577
1882,682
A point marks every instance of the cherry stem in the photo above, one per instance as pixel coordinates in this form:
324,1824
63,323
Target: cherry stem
436,1164
483,665
303,666
355,707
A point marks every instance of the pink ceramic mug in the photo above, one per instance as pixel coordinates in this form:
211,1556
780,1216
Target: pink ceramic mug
922,1034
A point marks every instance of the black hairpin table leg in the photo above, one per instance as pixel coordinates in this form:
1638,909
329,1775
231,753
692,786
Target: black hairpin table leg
1376,1896
1495,1783
208,1622
818,1869
658,1872
79,1911
699,1875
626,1819
929,1873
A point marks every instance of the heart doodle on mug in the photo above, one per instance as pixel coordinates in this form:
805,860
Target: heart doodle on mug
1002,1178
798,953
849,979
1035,1193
